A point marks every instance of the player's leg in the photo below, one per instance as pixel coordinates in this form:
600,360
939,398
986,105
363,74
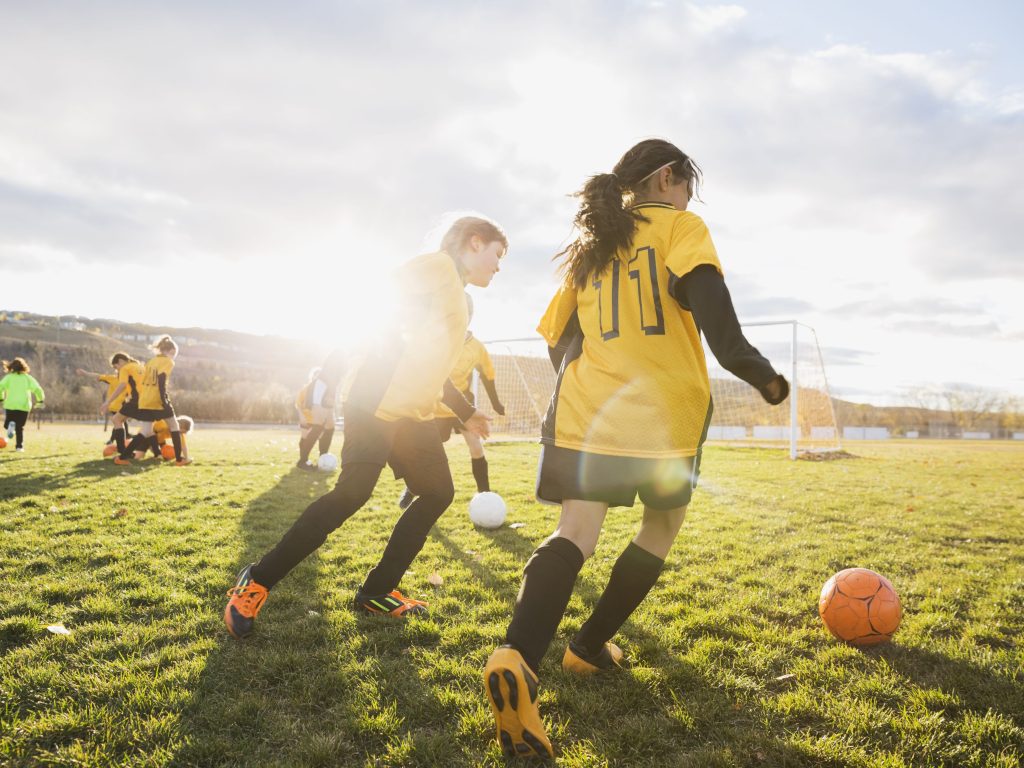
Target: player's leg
309,437
511,673
634,574
419,457
327,435
364,453
19,418
478,461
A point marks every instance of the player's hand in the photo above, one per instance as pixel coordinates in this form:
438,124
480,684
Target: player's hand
103,409
40,406
80,372
499,409
479,424
776,390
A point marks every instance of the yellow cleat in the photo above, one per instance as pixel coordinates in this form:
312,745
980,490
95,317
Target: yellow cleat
512,690
576,661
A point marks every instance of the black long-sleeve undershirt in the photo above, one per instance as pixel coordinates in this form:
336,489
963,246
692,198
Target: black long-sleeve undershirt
492,395
703,293
454,400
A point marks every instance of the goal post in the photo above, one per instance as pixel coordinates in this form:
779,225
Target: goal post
525,380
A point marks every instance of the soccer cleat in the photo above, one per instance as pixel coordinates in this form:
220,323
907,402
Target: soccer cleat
20,449
392,604
182,462
10,430
511,688
122,462
109,450
577,661
247,597
406,499
306,466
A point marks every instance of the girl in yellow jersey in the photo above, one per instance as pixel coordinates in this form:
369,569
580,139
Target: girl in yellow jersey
115,395
629,414
389,408
316,405
152,402
158,441
129,377
473,357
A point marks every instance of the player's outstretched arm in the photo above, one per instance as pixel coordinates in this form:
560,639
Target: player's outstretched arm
492,395
704,293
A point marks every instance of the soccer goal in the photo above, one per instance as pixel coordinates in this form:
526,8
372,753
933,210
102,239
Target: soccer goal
525,380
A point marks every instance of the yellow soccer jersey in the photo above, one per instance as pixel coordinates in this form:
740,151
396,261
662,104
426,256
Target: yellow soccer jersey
431,328
638,385
473,356
130,374
111,380
149,391
163,434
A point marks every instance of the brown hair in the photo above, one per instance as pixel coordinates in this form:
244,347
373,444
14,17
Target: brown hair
185,424
121,357
605,221
165,344
457,237
17,365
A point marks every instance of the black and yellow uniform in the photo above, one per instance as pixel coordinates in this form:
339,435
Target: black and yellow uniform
473,357
129,374
390,398
153,402
632,402
112,380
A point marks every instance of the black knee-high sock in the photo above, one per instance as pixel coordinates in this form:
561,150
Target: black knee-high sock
633,575
154,445
405,543
119,438
325,441
306,444
113,435
548,580
480,474
176,442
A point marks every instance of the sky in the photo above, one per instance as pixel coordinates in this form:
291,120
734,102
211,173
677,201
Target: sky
263,166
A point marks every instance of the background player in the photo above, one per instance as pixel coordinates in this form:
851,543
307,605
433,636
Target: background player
151,401
17,390
316,405
389,411
112,381
474,356
129,376
628,416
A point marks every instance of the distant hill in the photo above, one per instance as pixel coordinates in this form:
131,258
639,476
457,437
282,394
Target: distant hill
219,375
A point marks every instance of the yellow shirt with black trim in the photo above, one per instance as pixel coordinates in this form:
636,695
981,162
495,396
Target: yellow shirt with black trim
112,380
130,374
149,391
431,321
639,385
162,432
473,356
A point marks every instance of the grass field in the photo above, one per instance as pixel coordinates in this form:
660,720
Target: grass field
135,564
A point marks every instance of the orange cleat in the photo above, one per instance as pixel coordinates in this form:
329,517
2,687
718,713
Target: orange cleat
511,688
393,604
122,462
577,661
109,450
247,597
183,462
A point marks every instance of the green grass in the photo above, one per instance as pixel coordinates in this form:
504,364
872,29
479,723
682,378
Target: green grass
135,564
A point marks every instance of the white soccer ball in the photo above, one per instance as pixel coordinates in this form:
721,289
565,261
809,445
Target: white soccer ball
327,462
487,510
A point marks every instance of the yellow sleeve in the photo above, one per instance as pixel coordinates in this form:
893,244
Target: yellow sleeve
558,314
108,378
690,245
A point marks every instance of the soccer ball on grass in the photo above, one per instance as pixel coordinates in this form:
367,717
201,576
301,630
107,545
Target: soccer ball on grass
487,510
327,462
860,607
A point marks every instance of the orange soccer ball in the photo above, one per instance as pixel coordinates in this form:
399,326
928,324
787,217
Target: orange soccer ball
860,607
3,443
167,451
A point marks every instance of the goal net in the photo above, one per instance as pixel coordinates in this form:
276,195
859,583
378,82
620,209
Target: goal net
525,380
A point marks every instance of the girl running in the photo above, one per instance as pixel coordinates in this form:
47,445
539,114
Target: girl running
316,405
628,417
129,377
389,413
115,395
474,356
17,389
151,402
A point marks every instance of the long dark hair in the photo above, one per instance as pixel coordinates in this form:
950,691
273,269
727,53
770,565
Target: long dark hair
605,222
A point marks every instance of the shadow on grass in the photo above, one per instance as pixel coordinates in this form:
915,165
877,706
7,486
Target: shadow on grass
315,684
26,484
